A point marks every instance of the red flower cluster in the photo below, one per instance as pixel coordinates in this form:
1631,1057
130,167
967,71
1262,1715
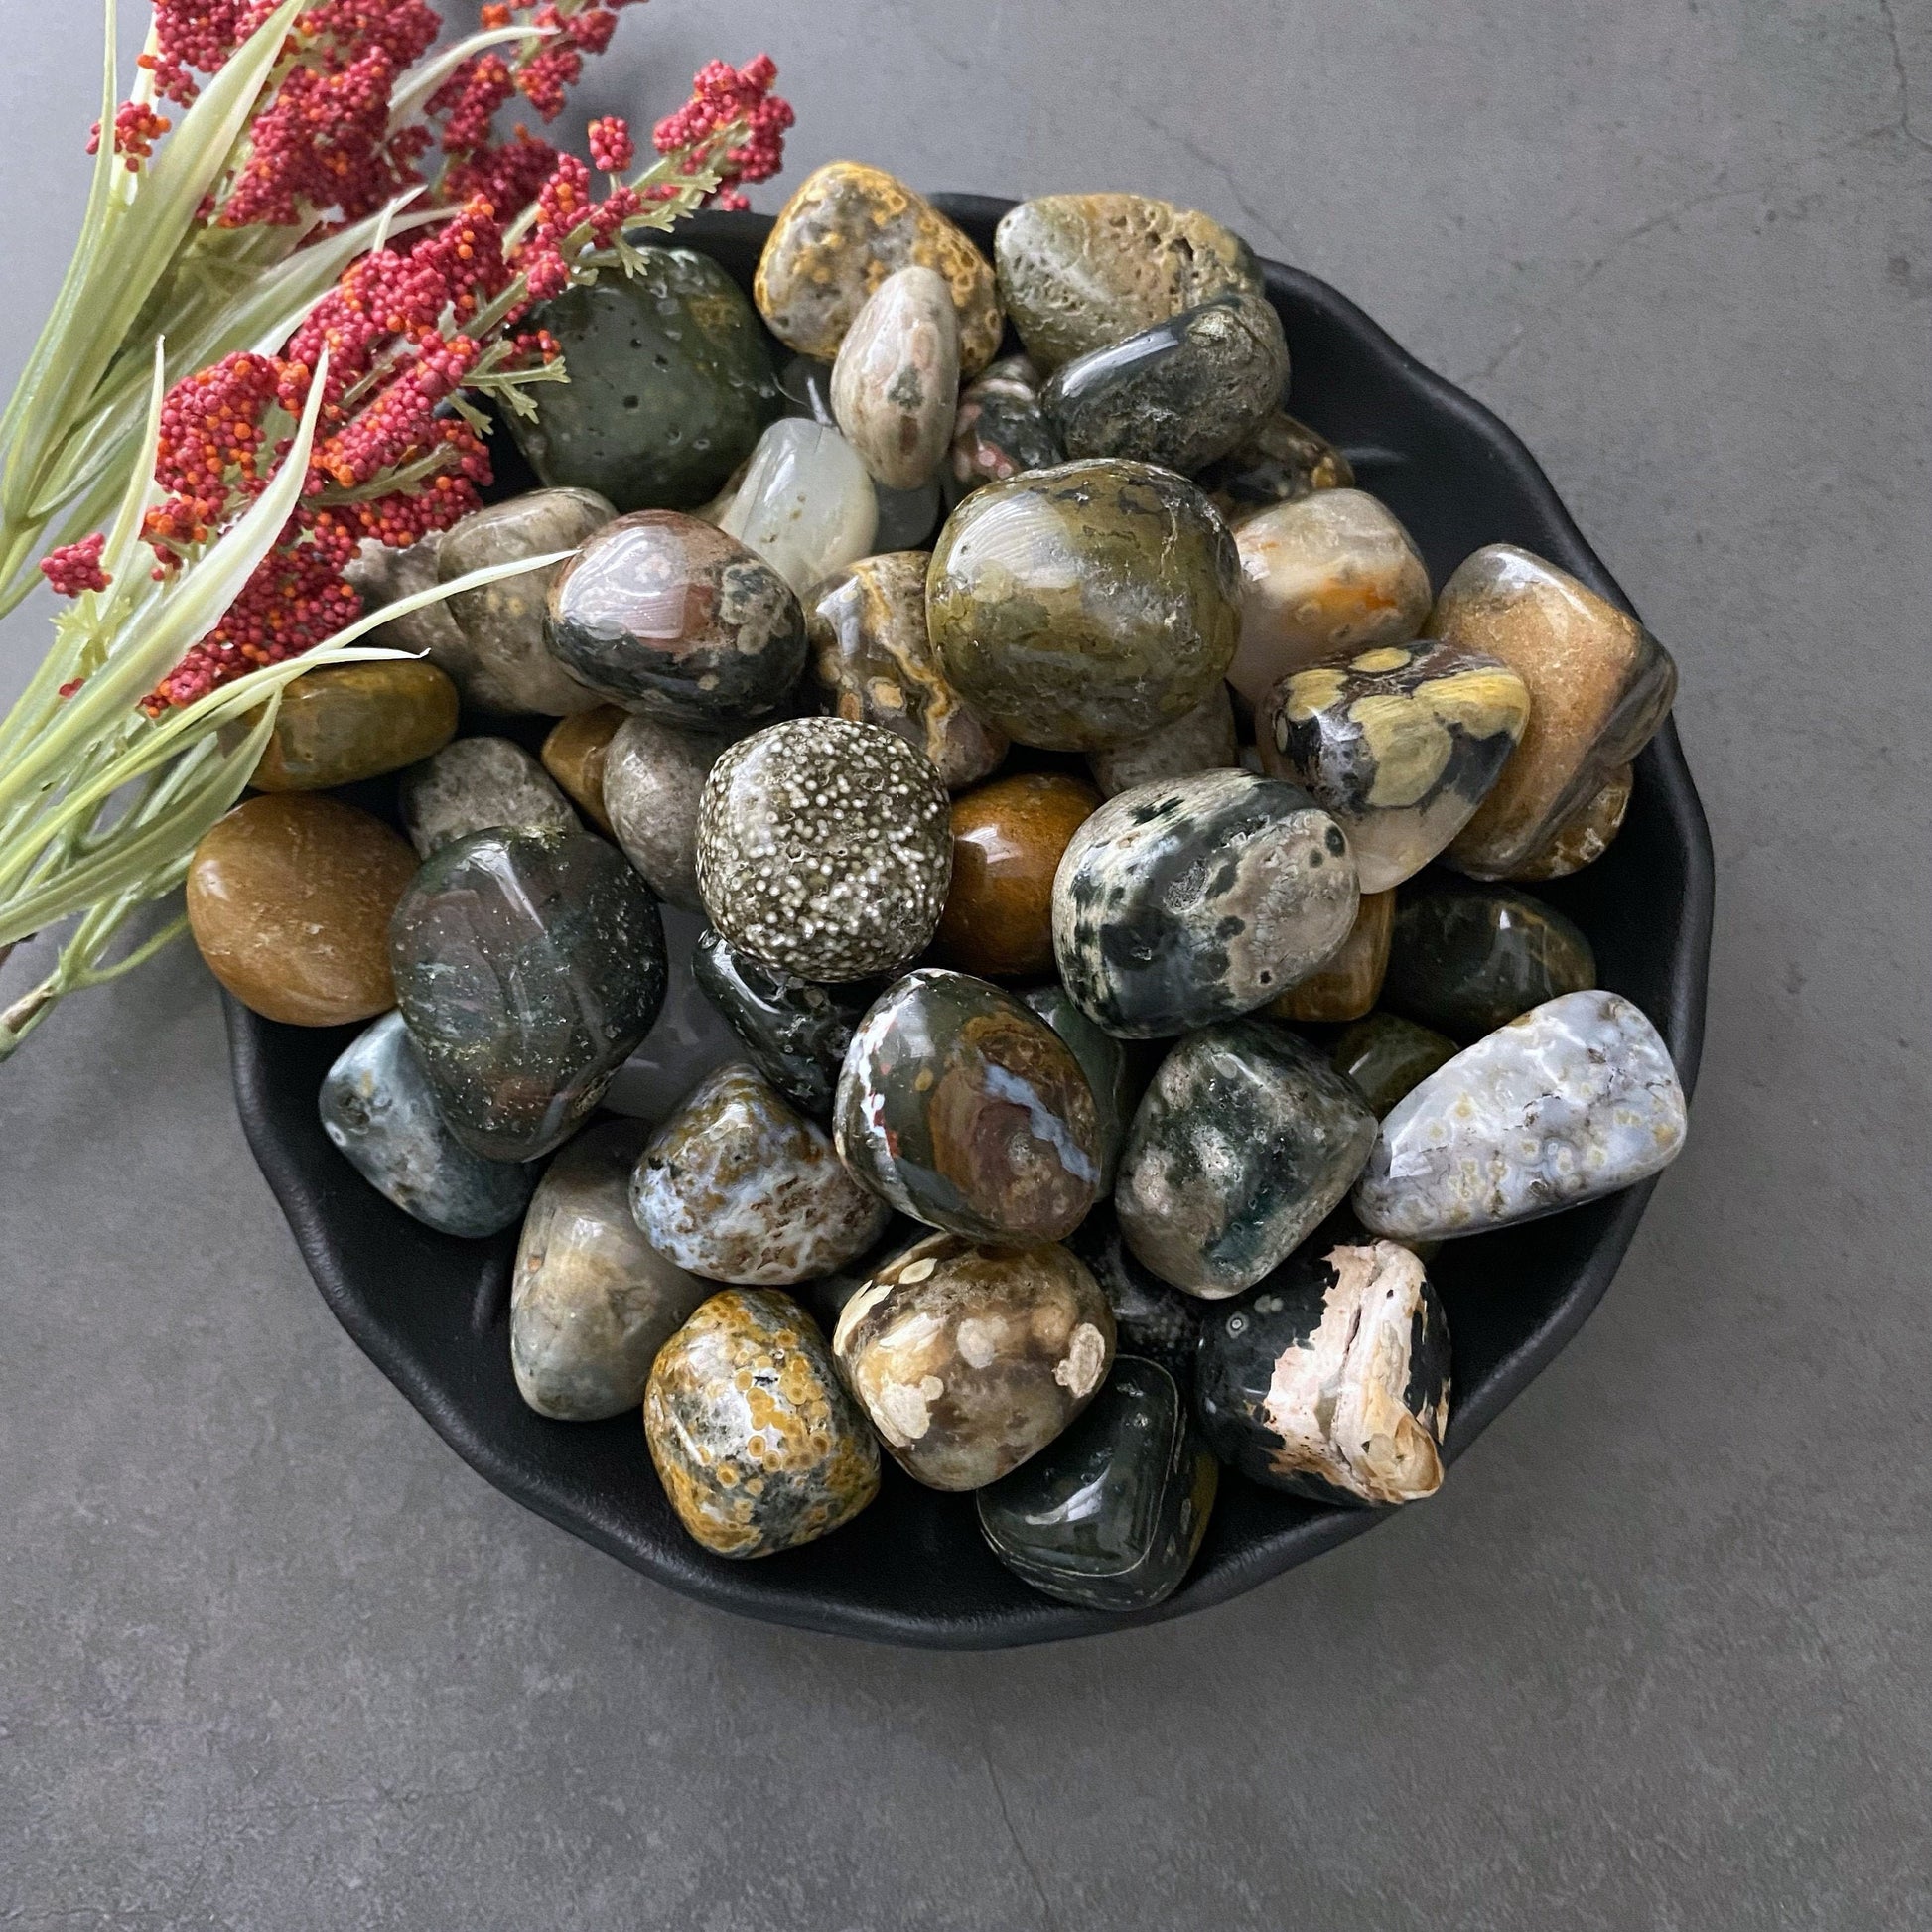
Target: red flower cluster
75,567
721,95
136,129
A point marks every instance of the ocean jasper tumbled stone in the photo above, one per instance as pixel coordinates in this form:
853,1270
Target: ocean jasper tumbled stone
1083,607
1192,899
968,1112
574,753
1387,1056
592,1302
474,783
1330,573
1111,1075
738,1188
347,722
1281,463
653,777
1347,987
674,619
757,1443
378,1109
1401,743
1203,740
874,664
1244,1142
999,428
1331,1379
1152,1318
969,1359
824,847
1585,835
1179,394
896,383
1575,1099
1599,686
806,505
528,966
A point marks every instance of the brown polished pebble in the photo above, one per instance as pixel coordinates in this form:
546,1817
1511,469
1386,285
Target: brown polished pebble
289,898
1585,835
1007,840
347,722
574,754
1347,986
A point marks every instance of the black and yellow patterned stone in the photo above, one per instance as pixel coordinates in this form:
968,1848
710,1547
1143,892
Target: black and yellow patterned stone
1083,607
1401,743
1468,959
1387,1056
1244,1143
1281,463
969,1359
968,1112
1111,1514
1001,428
757,1443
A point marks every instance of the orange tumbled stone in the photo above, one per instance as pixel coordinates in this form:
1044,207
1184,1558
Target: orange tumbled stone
1347,988
289,898
574,753
1007,840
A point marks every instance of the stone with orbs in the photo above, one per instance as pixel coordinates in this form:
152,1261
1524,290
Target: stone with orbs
1328,573
1281,463
528,966
825,848
1001,428
1203,740
1387,1056
289,897
968,1358
1401,743
346,722
1330,1380
1192,899
1585,835
967,1111
1244,1142
592,1302
806,505
1007,840
1083,606
1575,1099
739,1187
1110,1515
896,383
474,783
378,1110
1347,987
653,777
670,384
574,753
1111,1073
757,1443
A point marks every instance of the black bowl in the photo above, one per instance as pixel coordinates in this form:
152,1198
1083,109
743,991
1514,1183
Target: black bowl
432,1312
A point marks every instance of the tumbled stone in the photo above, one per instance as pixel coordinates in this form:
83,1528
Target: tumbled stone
1007,840
1599,686
1180,392
1330,1380
846,229
824,847
1281,463
737,1186
347,722
1111,1075
382,576
378,1109
510,666
806,505
289,897
1465,959
528,965
1083,607
1575,1099
968,1112
653,777
1328,572
968,1358
1001,428
670,384
1192,899
1401,743
874,664
795,1030
1203,740
574,754
1110,1515
1079,271
896,383
672,618
592,1302
1347,986
1387,1055
1585,835
1244,1142
1152,1318
907,517
758,1447
689,1039
474,783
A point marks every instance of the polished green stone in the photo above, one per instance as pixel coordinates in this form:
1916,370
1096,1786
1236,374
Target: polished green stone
670,384
1468,959
1110,1071
1386,1055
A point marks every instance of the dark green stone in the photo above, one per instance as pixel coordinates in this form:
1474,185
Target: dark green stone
528,966
1468,959
1152,1318
1001,428
1386,1055
1180,393
1111,1513
670,384
1103,1059
1281,463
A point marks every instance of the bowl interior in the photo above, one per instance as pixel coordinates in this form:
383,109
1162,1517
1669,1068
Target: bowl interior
433,1312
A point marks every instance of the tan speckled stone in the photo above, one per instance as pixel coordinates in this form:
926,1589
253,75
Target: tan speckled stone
1585,835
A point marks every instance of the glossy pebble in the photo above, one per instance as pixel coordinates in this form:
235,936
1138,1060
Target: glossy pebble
1281,463
474,783
806,505
653,777
895,382
1585,835
574,753
1113,1078
347,722
1387,1056
999,428
1152,1318
1347,987
1466,959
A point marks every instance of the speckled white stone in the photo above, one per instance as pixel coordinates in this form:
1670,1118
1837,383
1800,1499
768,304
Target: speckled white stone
1575,1099
806,505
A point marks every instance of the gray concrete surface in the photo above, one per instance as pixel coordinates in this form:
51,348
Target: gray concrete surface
1657,1655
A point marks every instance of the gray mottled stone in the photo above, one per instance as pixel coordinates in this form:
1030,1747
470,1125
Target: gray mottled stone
654,776
1203,740
475,783
1575,1099
896,383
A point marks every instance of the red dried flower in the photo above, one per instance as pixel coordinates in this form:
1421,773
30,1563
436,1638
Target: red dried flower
721,95
75,567
612,147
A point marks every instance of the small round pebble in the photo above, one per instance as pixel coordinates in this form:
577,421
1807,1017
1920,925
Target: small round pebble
653,777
